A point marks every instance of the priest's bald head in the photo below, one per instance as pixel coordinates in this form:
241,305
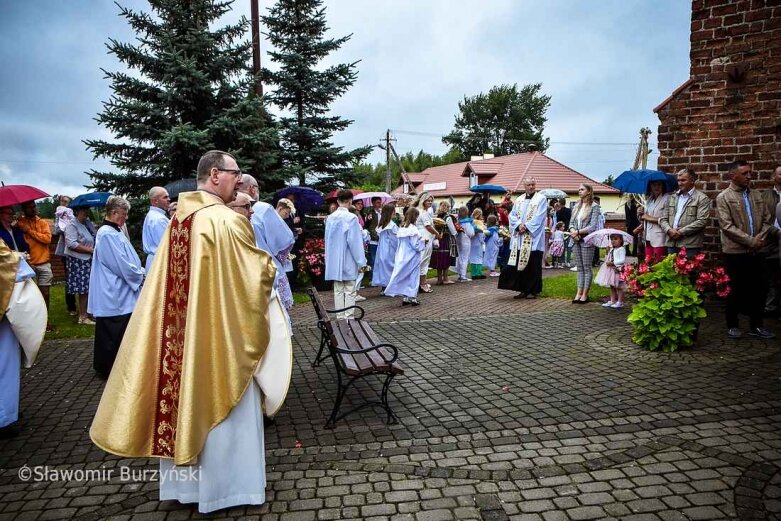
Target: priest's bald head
219,174
249,186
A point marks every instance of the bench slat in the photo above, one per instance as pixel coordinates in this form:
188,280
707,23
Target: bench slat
375,357
350,342
350,364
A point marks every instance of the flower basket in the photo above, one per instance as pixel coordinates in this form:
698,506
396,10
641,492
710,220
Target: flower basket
670,304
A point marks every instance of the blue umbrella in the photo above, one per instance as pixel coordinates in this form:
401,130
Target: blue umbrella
305,198
488,189
636,181
92,200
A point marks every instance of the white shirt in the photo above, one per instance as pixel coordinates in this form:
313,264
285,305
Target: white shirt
425,219
683,200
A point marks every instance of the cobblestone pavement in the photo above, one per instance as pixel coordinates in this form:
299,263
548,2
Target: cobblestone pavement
521,410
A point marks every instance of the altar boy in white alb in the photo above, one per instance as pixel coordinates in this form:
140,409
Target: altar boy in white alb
344,255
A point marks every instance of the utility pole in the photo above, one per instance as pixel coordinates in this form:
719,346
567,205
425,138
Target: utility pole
255,8
387,161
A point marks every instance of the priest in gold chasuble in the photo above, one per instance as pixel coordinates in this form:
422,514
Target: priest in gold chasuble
206,353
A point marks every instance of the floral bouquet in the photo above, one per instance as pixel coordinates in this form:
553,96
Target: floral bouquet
313,258
671,299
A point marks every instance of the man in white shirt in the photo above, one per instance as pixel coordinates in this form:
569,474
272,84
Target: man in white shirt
155,223
344,255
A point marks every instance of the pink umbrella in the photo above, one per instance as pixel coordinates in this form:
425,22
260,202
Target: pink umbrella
367,197
601,238
18,194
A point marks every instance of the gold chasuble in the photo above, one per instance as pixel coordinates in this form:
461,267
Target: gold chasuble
9,262
196,337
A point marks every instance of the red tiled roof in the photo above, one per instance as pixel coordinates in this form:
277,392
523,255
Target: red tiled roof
677,91
482,167
510,174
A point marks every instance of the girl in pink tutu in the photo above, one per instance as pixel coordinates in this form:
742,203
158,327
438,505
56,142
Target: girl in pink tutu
557,245
609,275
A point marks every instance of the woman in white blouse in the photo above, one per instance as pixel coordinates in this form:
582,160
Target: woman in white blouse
655,249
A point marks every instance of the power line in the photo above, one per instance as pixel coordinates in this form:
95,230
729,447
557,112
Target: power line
524,141
25,162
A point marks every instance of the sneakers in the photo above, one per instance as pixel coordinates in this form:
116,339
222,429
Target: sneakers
608,304
734,332
86,321
359,298
413,302
574,268
493,274
761,332
464,280
617,305
405,301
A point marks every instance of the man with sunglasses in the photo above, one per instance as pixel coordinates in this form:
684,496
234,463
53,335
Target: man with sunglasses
206,353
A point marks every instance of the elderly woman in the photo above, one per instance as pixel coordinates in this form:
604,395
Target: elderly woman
79,244
656,206
114,284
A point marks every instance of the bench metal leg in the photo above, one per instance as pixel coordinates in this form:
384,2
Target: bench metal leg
392,419
323,344
342,391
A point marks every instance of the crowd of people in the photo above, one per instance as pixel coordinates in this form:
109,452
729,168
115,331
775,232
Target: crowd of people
212,297
516,240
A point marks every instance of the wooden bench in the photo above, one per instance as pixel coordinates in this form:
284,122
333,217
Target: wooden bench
356,352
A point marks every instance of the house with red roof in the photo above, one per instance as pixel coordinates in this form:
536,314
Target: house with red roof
453,182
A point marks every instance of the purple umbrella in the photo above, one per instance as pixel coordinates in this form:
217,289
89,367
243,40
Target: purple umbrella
601,238
305,198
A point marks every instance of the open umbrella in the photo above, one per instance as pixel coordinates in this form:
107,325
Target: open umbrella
182,185
553,193
332,194
488,189
601,238
367,197
92,200
305,198
636,181
18,194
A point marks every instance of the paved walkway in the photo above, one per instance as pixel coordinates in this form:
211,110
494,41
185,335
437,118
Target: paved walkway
508,410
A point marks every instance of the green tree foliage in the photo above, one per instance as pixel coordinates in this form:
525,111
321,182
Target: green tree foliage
504,121
189,89
304,92
609,180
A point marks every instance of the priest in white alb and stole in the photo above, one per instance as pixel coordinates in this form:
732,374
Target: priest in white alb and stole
523,272
207,352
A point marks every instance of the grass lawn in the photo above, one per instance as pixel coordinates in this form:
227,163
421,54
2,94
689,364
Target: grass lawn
564,286
65,326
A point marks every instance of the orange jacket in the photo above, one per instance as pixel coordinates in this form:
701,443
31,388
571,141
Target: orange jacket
38,235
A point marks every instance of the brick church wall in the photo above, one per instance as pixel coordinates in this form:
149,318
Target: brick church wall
730,108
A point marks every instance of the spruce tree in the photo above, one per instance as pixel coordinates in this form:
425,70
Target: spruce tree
296,29
189,89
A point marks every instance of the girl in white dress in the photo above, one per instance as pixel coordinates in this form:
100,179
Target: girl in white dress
609,274
405,279
387,245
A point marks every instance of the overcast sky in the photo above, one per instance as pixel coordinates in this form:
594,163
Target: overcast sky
605,64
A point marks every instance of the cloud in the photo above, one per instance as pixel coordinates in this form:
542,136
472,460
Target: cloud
605,64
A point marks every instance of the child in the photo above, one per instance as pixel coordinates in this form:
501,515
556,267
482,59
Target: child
493,241
557,245
405,278
609,274
476,245
465,233
387,245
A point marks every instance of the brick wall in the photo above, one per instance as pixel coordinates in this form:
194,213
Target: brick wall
730,108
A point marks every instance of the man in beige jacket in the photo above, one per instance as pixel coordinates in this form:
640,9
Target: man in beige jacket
745,223
686,217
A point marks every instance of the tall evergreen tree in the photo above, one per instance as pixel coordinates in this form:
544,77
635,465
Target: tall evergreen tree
190,90
296,29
